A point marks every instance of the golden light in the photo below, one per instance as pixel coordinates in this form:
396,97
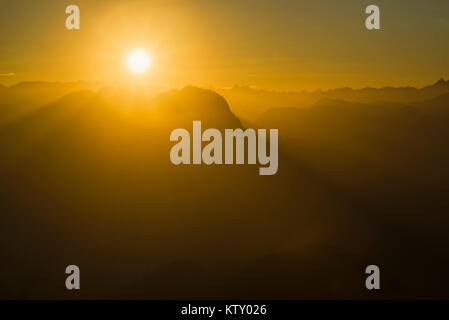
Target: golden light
138,61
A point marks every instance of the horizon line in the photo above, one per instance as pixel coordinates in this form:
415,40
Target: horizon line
210,87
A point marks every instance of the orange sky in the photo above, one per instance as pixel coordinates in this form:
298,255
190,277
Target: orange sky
288,45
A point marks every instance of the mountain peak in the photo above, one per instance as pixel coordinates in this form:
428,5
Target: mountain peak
440,82
192,103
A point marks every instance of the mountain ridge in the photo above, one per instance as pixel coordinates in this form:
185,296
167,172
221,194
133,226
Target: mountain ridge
249,103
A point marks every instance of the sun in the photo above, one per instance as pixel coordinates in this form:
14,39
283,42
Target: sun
138,61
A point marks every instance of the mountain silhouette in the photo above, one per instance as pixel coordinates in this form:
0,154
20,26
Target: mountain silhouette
25,97
86,179
192,103
249,103
437,106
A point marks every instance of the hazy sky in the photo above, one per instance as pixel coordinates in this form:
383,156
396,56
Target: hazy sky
273,44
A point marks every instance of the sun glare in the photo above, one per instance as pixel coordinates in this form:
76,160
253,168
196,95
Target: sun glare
138,61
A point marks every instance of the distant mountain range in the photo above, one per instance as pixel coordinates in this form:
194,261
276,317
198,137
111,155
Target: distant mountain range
247,103
250,103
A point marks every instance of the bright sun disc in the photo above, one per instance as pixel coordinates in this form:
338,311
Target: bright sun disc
138,61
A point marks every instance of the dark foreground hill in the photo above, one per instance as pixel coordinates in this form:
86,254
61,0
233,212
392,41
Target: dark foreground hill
87,180
393,162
